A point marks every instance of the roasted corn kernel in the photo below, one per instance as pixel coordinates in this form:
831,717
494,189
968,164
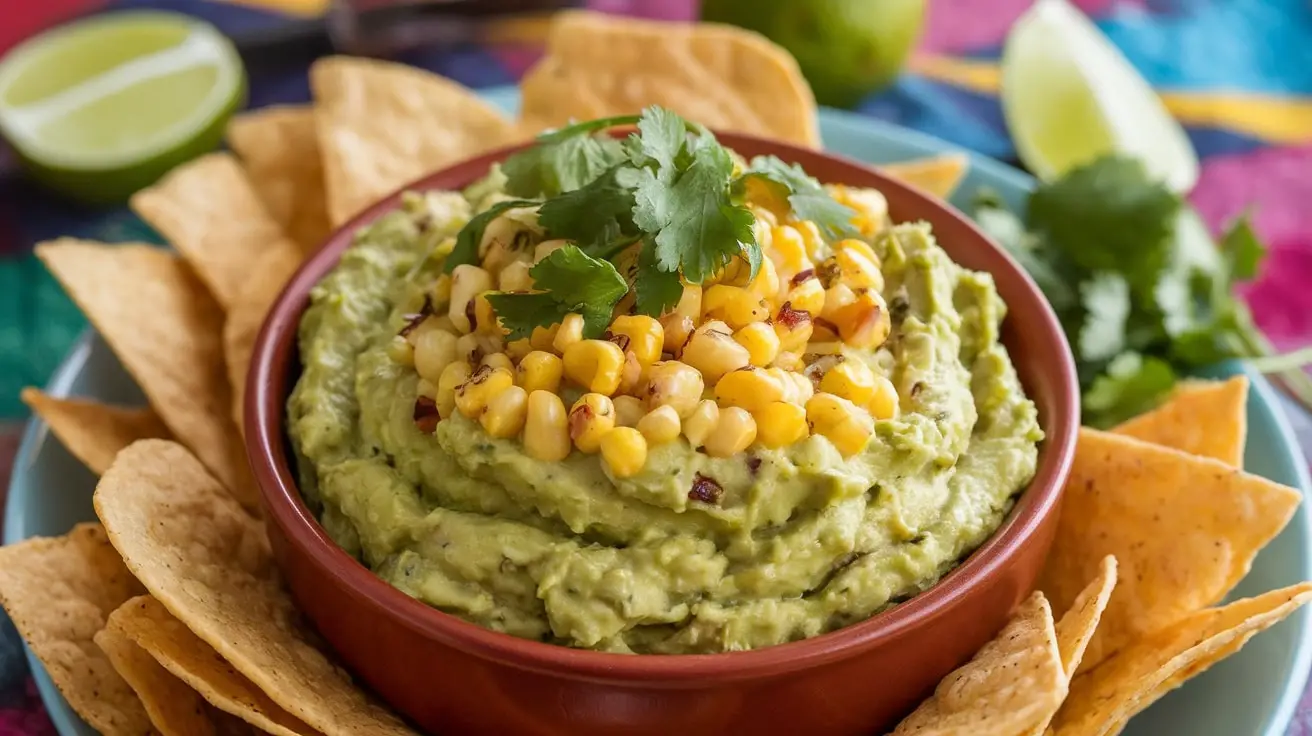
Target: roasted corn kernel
761,341
855,268
453,377
442,289
750,389
632,374
780,424
766,285
645,336
699,424
596,365
674,384
540,371
517,349
836,297
546,248
846,425
734,432
713,351
790,249
591,417
808,296
864,323
499,360
789,360
735,306
624,451
505,413
660,425
544,338
472,395
401,351
546,427
568,332
681,320
515,277
485,317
794,328
811,238
628,410
883,403
851,379
467,282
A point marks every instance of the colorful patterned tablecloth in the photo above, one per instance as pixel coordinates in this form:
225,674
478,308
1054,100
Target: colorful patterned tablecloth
1238,73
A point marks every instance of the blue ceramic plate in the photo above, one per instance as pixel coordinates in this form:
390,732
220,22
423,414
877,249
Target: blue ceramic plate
1250,694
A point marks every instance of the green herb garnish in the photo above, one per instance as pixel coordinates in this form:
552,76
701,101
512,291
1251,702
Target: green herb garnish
808,200
570,281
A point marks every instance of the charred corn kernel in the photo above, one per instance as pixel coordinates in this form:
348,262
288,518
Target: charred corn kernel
544,338
789,360
433,351
452,378
734,432
401,351
485,317
864,323
791,249
546,427
596,365
846,425
858,246
677,331
855,269
631,374
505,413
515,277
473,347
499,360
660,425
624,450
569,332
811,238
780,424
467,282
674,384
591,417
546,248
628,410
472,395
794,327
645,334
883,403
540,371
697,426
517,349
808,296
852,379
766,283
713,352
836,297
750,389
761,341
442,289
734,305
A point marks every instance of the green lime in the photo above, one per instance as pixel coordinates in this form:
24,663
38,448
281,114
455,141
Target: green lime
1070,96
102,107
846,48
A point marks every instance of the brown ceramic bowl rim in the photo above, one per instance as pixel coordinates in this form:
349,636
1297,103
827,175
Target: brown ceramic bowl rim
265,402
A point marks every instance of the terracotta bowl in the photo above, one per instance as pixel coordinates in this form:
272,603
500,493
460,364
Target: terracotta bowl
449,676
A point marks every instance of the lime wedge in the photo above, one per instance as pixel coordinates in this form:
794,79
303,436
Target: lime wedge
1070,96
104,106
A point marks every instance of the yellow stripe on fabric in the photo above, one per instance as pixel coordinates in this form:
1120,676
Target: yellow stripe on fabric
299,7
1272,119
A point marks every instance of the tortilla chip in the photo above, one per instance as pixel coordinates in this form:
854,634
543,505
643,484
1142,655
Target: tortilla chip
382,125
280,150
938,175
174,708
146,623
1012,685
208,210
1184,530
94,432
209,563
247,316
58,591
1208,418
166,330
1102,700
724,77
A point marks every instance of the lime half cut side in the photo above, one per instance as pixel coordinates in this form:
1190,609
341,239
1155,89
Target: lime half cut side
1069,96
102,107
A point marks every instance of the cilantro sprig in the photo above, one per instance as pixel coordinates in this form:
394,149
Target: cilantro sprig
1142,291
669,189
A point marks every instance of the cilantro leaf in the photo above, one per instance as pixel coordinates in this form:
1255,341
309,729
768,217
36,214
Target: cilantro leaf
660,139
549,169
572,281
469,237
658,291
592,215
1106,301
1131,385
586,127
808,200
1044,265
1241,249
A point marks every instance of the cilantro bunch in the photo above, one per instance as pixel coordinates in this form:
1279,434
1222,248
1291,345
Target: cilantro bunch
1142,291
667,201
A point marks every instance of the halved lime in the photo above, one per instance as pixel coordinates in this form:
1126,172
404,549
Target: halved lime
1070,96
104,106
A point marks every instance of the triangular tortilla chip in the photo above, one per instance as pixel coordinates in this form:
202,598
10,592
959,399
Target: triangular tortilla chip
721,76
209,563
166,330
1208,418
174,708
938,175
95,432
1103,699
382,125
279,147
208,210
1013,684
1184,530
247,316
58,591
146,624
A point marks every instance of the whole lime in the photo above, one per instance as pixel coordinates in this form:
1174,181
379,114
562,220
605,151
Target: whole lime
846,48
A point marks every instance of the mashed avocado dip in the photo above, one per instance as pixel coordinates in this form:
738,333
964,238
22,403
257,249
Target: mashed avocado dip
884,444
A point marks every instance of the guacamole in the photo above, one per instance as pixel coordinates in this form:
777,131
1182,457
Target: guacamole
689,550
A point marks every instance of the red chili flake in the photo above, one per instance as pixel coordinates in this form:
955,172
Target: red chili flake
705,490
753,464
471,314
803,276
425,414
792,318
414,320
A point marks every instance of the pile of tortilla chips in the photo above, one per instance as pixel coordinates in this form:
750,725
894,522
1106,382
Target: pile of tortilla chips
169,617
